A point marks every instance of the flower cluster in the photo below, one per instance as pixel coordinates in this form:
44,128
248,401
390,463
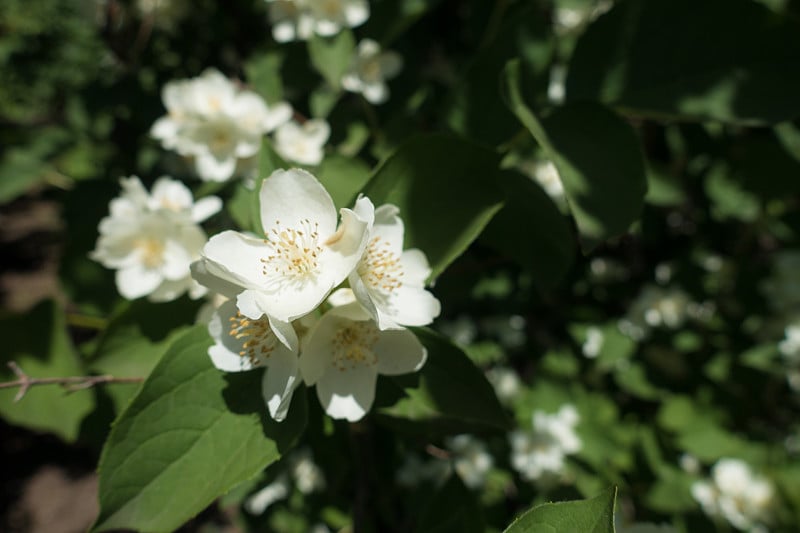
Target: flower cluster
151,239
655,307
369,69
217,123
276,284
736,494
302,470
298,20
542,452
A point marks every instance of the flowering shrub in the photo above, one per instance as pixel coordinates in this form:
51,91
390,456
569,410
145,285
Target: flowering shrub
537,262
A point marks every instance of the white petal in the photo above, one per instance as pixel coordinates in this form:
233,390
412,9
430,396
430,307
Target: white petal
317,131
291,196
356,13
364,298
251,304
345,249
169,290
414,306
170,194
279,381
165,129
235,258
176,261
376,93
285,333
211,168
416,268
277,114
294,302
136,281
214,283
206,207
348,394
399,352
317,355
341,297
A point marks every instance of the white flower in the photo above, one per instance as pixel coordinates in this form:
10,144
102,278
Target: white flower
290,20
302,257
345,353
594,342
689,463
736,494
543,451
275,491
302,144
151,239
389,282
506,383
790,345
655,308
308,477
242,343
216,123
330,16
369,69
471,461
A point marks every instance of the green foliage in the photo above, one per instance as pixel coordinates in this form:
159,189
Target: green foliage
730,63
595,515
39,344
189,435
434,175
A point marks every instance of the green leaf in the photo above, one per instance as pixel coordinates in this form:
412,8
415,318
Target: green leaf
190,435
446,190
452,509
531,229
331,56
343,177
264,74
595,515
135,340
730,60
597,156
449,392
39,343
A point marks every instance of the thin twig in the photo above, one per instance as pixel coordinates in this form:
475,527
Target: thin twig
71,383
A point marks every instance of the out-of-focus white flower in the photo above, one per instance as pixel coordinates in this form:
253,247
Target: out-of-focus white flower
344,355
165,14
543,451
152,239
556,86
471,460
506,383
546,174
689,463
302,144
369,70
735,493
213,121
275,491
655,307
302,257
297,19
789,348
308,477
389,282
594,342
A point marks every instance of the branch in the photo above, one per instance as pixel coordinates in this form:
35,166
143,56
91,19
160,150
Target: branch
72,383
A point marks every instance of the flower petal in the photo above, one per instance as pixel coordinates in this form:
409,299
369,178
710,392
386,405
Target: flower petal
214,283
206,207
416,268
399,352
136,281
285,333
348,394
235,257
289,197
210,168
414,306
279,382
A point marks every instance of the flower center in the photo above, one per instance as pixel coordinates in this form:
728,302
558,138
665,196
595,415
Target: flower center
151,251
380,267
295,252
352,345
259,340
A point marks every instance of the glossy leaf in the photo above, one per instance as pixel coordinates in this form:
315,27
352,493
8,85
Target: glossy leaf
597,156
446,190
595,515
449,392
730,60
191,434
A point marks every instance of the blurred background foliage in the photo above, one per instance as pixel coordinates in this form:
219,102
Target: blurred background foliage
653,293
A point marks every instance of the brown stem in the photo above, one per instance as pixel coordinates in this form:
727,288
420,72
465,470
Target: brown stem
71,383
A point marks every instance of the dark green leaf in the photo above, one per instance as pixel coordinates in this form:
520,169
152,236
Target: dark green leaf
595,515
452,509
190,435
446,190
597,156
343,177
449,392
331,56
729,60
